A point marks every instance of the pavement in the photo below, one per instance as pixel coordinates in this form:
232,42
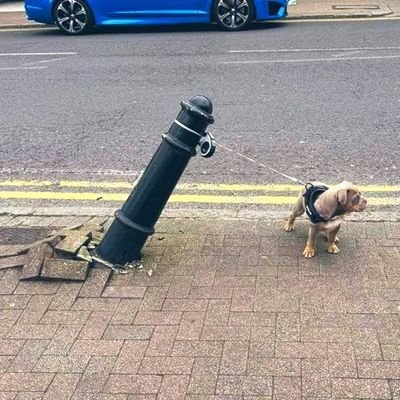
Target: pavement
12,14
223,309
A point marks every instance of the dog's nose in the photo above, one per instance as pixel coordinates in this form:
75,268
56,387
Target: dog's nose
364,202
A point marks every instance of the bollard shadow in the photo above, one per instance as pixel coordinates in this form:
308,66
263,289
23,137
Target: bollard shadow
186,28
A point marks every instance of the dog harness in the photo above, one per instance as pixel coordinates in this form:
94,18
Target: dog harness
310,197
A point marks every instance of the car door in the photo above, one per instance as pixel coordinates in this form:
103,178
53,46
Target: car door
113,9
165,9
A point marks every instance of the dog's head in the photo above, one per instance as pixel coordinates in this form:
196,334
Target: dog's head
339,200
350,198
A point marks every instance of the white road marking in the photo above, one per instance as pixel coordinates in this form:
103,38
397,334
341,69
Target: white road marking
38,54
309,60
346,53
331,49
46,61
20,68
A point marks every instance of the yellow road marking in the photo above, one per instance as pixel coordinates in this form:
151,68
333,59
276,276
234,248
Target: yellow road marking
275,187
72,184
64,196
177,198
240,187
189,186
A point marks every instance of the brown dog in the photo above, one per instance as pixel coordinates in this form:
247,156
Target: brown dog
330,205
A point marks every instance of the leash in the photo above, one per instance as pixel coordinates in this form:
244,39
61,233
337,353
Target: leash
311,194
208,146
291,178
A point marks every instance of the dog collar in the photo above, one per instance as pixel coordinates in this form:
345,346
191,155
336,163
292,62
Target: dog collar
310,197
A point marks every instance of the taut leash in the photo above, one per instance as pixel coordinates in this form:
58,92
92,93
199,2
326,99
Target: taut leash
291,178
208,146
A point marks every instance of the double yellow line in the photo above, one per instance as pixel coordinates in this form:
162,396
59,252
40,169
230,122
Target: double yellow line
212,196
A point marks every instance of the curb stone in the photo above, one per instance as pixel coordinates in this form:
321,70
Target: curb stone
25,26
338,16
57,215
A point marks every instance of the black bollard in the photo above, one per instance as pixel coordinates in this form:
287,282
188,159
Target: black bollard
135,222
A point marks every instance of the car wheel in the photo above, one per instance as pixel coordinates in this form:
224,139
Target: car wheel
73,16
233,15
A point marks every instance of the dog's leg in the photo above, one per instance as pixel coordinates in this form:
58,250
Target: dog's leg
327,237
309,250
297,211
332,240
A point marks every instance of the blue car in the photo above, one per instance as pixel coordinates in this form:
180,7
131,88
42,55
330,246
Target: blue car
75,17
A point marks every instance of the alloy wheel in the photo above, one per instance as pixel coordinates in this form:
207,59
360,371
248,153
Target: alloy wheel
72,16
233,14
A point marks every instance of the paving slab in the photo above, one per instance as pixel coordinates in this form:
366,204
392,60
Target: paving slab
36,256
11,250
71,243
70,270
12,262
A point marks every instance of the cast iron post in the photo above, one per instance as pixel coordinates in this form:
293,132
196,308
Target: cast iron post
134,223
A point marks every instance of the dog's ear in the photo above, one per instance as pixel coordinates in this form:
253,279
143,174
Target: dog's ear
342,196
342,192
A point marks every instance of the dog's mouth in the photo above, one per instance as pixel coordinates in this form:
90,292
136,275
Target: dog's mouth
361,206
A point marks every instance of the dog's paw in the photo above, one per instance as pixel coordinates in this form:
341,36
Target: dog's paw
333,249
309,252
289,227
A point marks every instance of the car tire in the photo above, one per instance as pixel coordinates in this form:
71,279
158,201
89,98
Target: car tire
73,17
233,15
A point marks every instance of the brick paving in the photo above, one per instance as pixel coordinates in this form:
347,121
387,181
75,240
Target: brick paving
231,311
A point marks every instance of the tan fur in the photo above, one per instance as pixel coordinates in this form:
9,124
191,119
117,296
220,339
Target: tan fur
332,205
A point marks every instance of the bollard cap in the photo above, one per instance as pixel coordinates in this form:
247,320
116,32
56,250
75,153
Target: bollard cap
201,106
202,102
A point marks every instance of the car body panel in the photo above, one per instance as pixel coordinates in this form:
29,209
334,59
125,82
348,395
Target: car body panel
151,12
39,10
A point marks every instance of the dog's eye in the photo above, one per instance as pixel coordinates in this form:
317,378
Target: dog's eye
356,198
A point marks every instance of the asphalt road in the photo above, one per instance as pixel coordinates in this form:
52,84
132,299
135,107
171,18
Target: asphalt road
316,100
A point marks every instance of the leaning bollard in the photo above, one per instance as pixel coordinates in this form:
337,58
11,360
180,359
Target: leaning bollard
134,223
